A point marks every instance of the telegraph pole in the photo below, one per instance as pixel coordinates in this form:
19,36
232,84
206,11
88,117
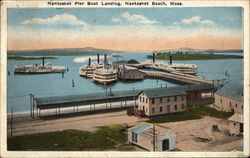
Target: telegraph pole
153,137
11,122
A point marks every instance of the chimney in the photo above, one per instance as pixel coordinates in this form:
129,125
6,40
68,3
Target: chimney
43,61
98,58
89,61
170,59
153,57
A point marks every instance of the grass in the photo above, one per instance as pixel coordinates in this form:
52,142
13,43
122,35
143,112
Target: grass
194,112
29,58
105,138
194,56
208,111
174,117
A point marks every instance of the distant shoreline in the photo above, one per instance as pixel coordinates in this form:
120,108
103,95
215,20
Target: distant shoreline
19,58
110,50
194,56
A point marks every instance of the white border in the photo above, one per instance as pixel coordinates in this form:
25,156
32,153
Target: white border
187,3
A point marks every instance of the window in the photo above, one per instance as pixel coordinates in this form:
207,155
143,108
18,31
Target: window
140,99
175,98
153,110
221,101
160,99
168,99
230,103
134,137
175,107
241,107
146,109
182,106
143,99
236,105
146,100
153,101
160,109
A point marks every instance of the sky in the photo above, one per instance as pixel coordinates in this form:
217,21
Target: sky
125,29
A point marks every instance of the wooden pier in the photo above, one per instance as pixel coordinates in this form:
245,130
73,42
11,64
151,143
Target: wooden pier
179,77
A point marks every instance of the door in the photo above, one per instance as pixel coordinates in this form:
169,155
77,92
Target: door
165,144
241,127
168,108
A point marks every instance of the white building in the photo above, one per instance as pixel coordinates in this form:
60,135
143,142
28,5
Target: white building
152,137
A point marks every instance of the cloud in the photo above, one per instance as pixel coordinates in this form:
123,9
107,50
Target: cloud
137,19
66,19
116,20
196,20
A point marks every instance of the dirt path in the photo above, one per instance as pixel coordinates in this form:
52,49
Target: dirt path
86,123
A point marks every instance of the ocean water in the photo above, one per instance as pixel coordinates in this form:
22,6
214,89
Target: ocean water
41,85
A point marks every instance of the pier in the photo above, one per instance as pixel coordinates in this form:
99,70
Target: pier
179,77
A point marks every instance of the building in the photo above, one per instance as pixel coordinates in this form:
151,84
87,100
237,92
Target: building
230,98
130,73
236,124
158,101
161,101
152,137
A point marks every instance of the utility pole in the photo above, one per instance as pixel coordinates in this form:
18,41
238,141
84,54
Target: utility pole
30,105
106,98
134,97
153,137
11,122
33,108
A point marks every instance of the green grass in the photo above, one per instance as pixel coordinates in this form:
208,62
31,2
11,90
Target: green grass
106,138
208,111
29,58
174,117
193,112
194,56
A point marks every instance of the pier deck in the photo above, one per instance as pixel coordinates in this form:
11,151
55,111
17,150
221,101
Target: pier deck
179,77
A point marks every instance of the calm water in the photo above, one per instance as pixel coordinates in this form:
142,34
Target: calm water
20,86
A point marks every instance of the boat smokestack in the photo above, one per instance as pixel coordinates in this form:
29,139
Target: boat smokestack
98,60
105,58
89,61
43,61
170,59
153,57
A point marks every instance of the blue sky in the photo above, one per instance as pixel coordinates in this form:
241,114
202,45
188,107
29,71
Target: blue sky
112,27
228,17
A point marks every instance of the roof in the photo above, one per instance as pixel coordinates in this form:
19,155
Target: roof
148,129
232,89
175,91
141,128
236,118
84,98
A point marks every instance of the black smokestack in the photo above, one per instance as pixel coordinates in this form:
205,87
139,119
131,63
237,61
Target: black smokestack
153,57
105,59
170,59
89,61
98,58
43,61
